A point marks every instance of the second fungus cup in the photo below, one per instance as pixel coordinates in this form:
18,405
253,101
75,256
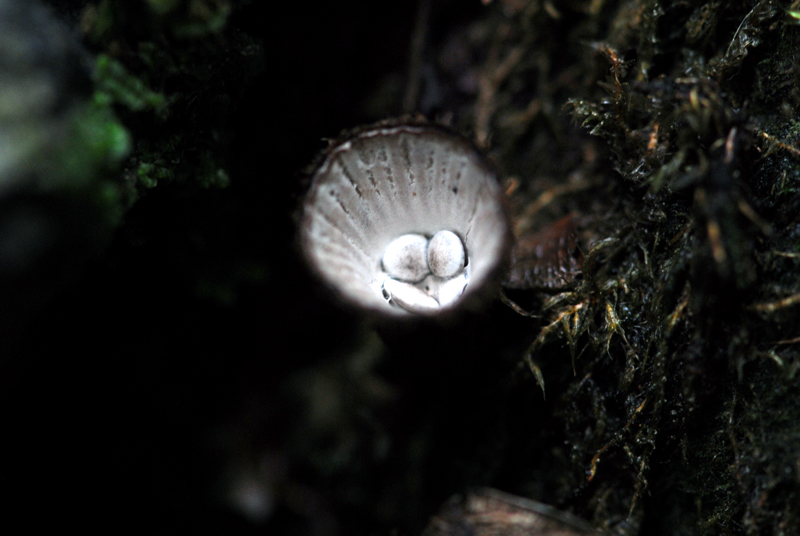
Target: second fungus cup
404,219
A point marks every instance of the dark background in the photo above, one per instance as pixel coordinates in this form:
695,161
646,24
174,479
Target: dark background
146,364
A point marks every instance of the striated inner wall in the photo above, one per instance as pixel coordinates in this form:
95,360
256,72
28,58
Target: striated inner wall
392,181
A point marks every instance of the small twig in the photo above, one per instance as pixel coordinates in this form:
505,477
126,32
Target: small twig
418,39
618,437
536,371
739,29
788,254
770,307
516,308
544,199
785,146
489,81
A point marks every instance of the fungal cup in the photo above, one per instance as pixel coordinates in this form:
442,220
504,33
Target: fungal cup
404,219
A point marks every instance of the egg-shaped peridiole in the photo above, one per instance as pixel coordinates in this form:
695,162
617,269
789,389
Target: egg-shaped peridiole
446,255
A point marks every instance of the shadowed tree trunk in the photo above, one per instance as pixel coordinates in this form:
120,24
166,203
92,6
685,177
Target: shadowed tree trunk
167,349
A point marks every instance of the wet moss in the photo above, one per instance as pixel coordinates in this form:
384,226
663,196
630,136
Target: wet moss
165,66
683,325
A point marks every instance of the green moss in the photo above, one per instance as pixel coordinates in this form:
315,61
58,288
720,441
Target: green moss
162,7
164,90
149,175
206,17
89,154
694,110
115,84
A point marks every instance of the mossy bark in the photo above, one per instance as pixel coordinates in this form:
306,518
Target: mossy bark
681,415
669,133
